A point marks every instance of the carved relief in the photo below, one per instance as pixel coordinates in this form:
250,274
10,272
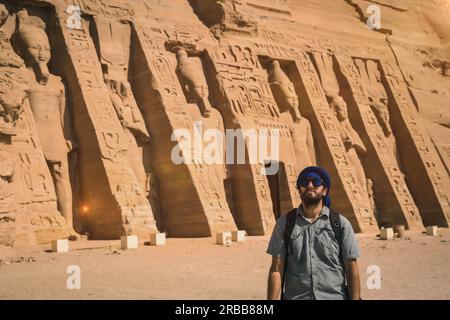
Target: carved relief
113,210
46,95
378,101
326,124
13,82
226,16
193,81
130,69
114,53
350,138
287,101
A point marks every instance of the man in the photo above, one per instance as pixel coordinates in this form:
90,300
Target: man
319,265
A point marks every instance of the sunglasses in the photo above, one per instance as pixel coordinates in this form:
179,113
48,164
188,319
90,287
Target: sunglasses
316,182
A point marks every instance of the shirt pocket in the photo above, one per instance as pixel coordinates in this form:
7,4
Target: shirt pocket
296,242
298,260
327,243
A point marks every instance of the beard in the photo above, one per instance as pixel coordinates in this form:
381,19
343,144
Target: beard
311,199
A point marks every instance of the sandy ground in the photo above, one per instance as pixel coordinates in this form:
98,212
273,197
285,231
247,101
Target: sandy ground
414,268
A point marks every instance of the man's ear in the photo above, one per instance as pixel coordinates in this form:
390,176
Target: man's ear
325,191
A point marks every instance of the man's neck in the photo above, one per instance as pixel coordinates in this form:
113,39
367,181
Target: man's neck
312,212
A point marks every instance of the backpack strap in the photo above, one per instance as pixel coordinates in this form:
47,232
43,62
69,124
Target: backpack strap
290,223
335,220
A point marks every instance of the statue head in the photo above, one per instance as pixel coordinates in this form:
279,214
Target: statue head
275,64
35,46
181,53
381,109
284,90
339,106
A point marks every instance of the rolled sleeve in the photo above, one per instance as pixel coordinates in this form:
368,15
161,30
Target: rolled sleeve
350,247
276,246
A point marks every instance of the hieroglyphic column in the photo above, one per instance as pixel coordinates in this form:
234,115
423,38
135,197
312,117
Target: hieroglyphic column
248,104
396,205
426,175
346,196
192,194
114,200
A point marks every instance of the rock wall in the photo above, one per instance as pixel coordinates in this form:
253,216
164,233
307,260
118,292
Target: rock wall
96,97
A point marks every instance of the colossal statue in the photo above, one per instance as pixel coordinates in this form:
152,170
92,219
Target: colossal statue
46,95
288,103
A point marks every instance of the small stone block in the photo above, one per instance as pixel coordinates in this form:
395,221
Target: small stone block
157,239
387,234
61,245
432,231
224,238
238,236
129,242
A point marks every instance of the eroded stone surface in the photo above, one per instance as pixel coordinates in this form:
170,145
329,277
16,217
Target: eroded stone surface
91,92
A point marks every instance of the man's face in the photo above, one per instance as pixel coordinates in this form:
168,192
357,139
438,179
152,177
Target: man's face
313,193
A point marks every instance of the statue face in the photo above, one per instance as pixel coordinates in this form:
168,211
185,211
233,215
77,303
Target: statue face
340,107
36,44
181,53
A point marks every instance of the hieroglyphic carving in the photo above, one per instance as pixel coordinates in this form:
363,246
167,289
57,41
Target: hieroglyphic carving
378,101
433,179
287,101
132,214
231,16
181,94
249,103
117,9
7,200
355,205
393,177
354,146
114,39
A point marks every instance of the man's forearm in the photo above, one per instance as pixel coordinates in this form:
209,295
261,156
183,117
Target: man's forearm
353,281
274,286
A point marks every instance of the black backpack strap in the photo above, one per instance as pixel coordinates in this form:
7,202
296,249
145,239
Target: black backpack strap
335,220
290,224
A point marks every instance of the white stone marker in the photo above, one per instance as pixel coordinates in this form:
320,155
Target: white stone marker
238,236
432,231
224,238
129,242
61,245
387,234
157,239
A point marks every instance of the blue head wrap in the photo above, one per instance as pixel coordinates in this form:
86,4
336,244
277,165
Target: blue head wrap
313,172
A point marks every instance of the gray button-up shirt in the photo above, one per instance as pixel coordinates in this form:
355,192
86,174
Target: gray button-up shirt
314,270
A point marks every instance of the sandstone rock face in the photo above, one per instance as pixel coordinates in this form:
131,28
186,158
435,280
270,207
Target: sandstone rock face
108,108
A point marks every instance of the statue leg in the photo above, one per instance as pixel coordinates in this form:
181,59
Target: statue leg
60,174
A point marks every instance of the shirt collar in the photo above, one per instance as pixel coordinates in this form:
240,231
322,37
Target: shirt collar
324,212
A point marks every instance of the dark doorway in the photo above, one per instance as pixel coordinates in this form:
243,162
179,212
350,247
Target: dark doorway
274,186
